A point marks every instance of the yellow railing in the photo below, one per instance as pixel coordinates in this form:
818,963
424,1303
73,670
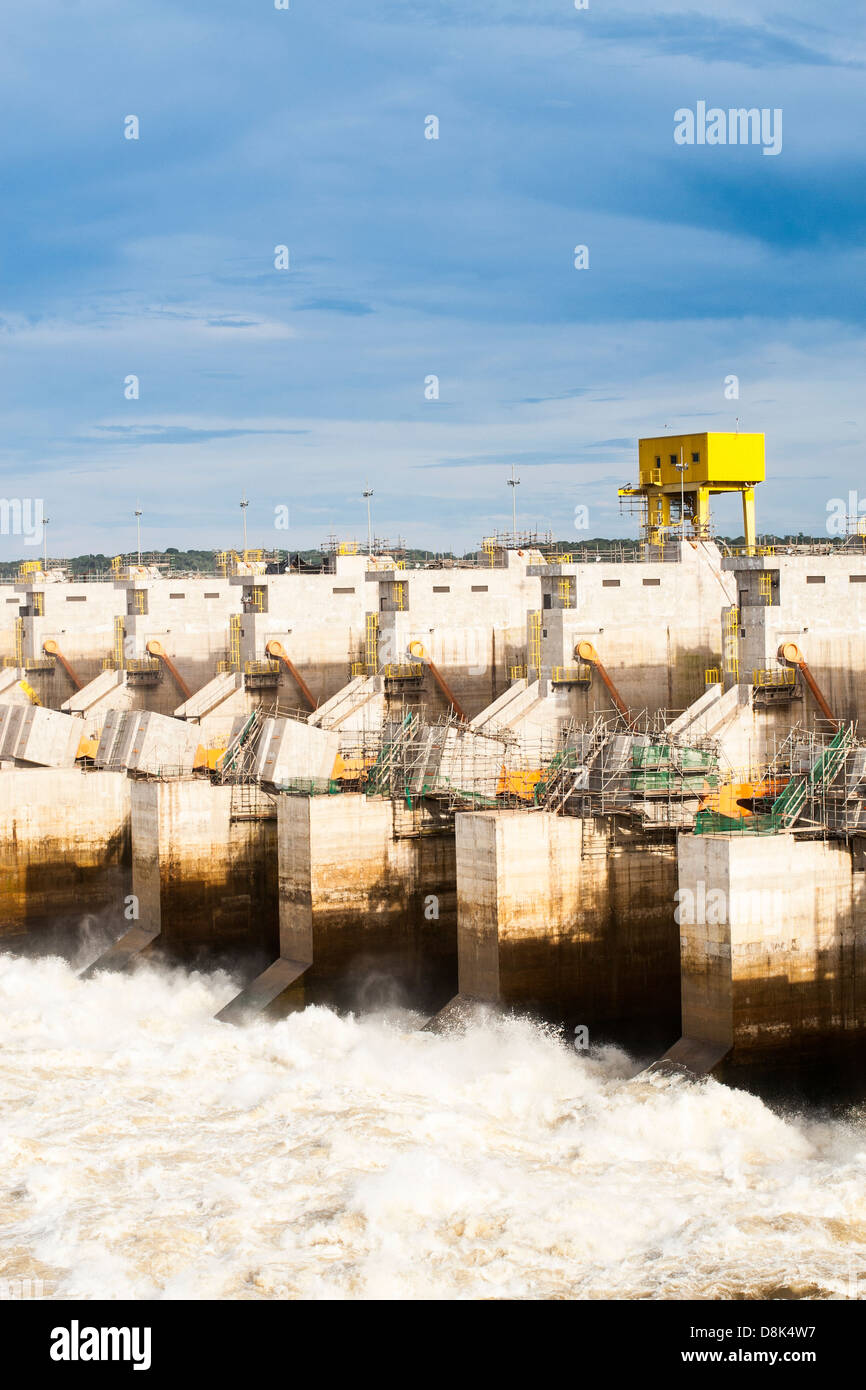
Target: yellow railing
371,645
712,676
534,661
235,642
404,670
767,677
572,675
566,592
261,668
517,673
119,635
732,642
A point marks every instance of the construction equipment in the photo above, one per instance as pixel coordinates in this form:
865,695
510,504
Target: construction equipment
790,652
158,650
279,653
50,647
685,470
417,650
585,651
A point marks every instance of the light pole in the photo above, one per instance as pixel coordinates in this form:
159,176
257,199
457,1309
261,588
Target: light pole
513,483
138,531
45,521
681,469
368,493
244,505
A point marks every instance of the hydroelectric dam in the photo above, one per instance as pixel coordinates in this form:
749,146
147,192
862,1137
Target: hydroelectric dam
620,791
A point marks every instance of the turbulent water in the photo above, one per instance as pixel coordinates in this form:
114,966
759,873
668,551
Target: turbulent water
148,1151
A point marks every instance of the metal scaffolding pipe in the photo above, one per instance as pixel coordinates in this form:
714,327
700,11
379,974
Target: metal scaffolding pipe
585,651
790,652
51,648
278,651
156,649
417,650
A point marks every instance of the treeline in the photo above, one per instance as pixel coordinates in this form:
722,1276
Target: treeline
204,561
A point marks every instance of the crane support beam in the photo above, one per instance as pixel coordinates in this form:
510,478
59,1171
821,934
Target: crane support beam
586,652
279,653
51,648
158,650
790,652
417,650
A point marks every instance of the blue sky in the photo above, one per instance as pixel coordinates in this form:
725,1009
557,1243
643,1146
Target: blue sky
412,257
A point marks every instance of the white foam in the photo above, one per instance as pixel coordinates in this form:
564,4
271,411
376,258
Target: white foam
148,1151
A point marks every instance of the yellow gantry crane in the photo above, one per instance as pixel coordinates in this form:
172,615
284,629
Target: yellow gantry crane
684,470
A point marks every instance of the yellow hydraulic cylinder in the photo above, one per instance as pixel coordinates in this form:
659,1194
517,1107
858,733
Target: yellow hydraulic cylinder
279,653
790,652
585,651
51,648
156,649
416,649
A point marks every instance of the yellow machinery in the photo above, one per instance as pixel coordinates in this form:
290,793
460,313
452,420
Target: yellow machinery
685,470
585,651
30,692
417,650
156,649
791,653
278,652
51,648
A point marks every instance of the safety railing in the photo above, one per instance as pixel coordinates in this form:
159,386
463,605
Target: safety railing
773,677
581,674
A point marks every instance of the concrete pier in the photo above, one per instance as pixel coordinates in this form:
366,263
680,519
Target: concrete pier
570,919
367,908
773,956
204,875
64,857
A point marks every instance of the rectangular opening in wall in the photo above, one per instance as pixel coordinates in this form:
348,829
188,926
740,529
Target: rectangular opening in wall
177,595
547,600
12,600
211,595
342,591
479,588
852,579
76,598
648,582
442,588
610,583
814,578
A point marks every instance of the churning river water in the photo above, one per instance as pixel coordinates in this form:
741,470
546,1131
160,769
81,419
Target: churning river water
147,1151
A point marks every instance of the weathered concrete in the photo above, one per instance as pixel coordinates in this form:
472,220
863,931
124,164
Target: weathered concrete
773,948
817,602
367,906
570,919
64,857
204,873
